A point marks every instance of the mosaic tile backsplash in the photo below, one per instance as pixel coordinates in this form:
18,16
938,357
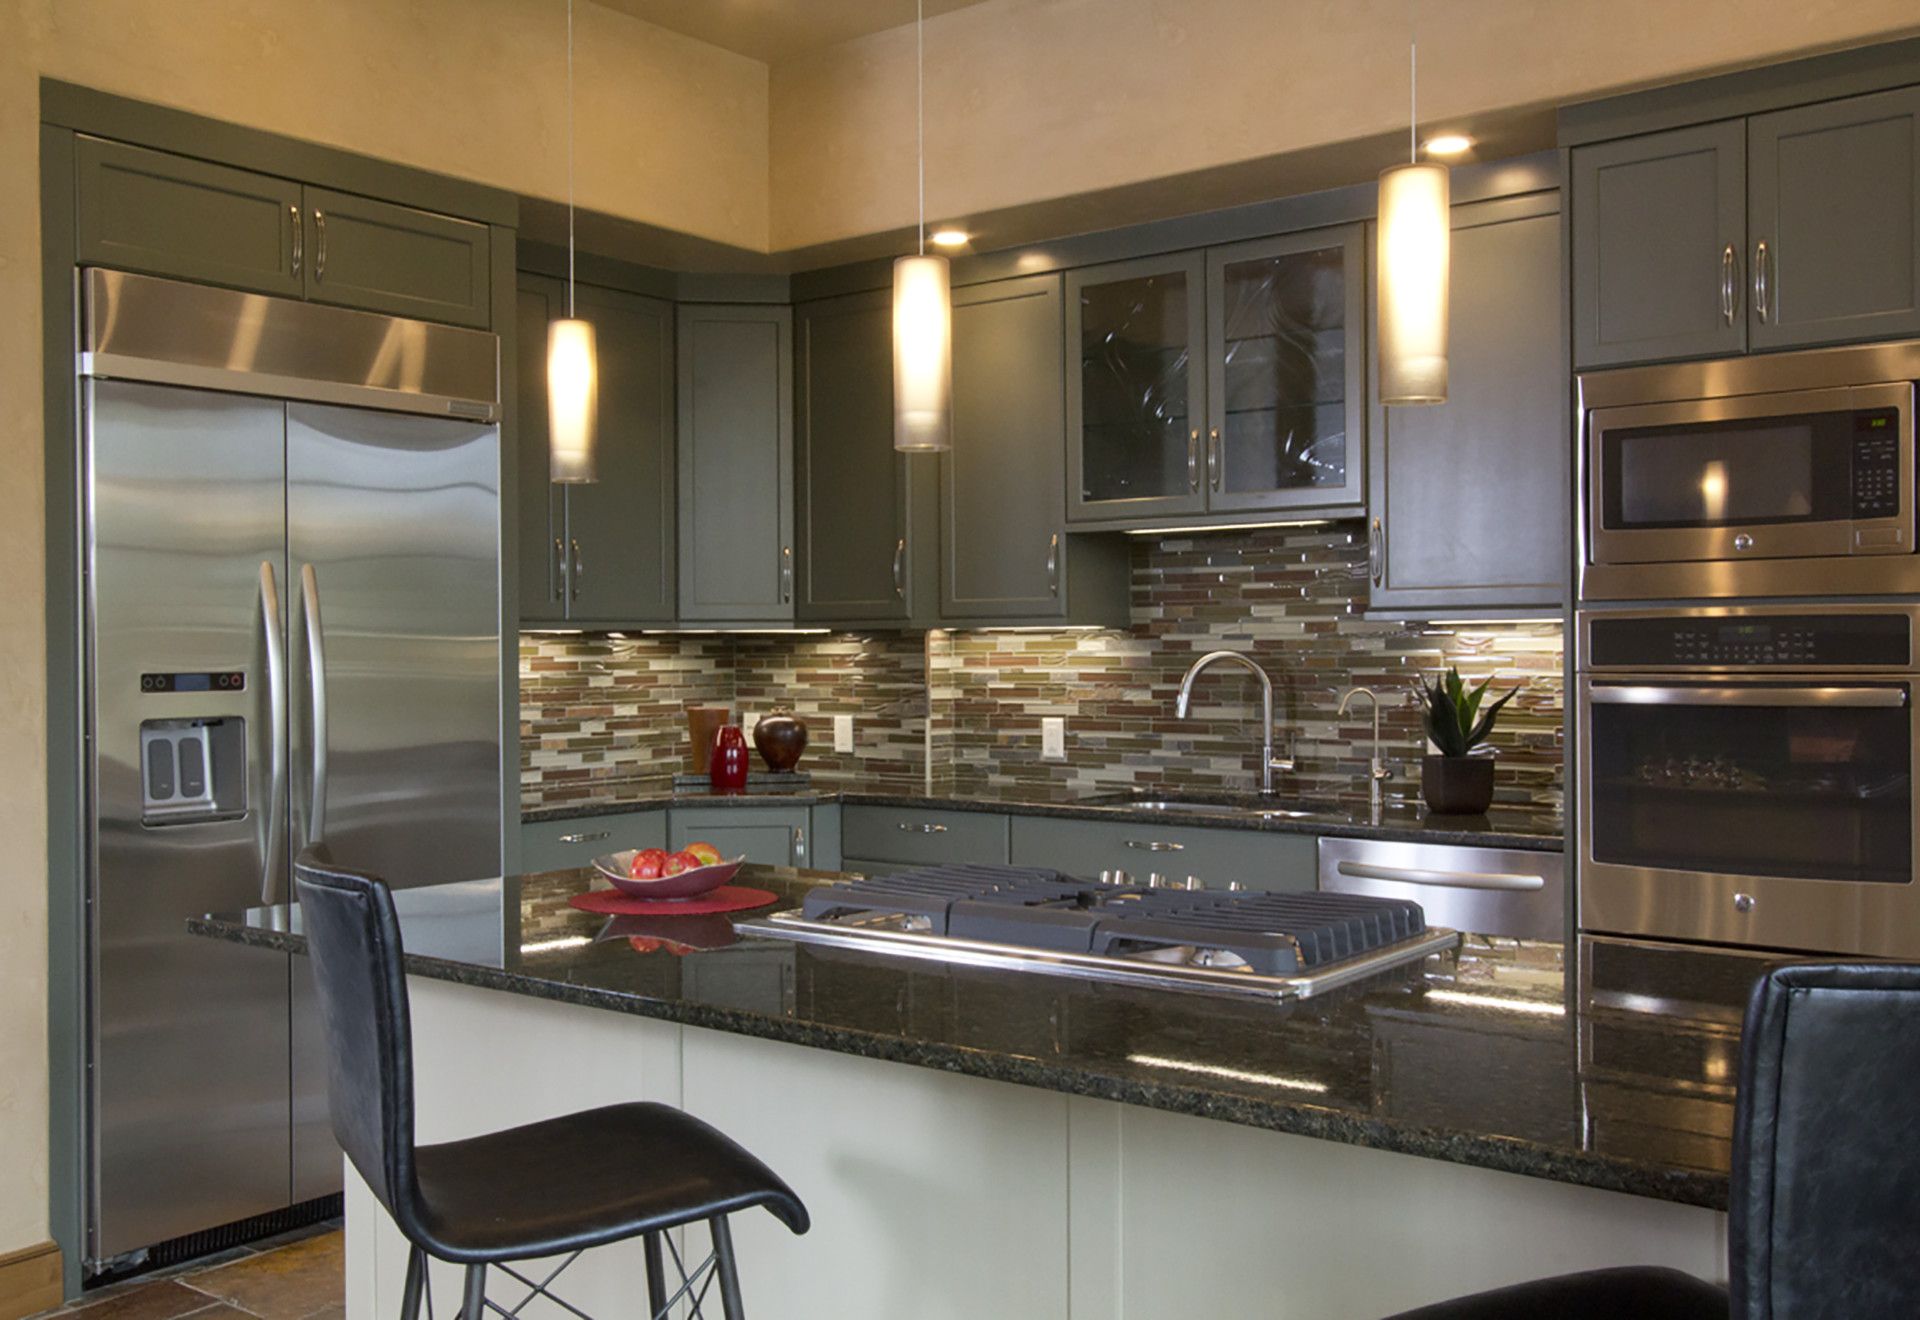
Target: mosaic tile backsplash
604,714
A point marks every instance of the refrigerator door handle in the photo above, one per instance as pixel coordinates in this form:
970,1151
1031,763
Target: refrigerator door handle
274,814
317,673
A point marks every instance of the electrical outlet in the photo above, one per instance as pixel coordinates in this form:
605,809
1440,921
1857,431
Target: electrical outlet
1053,738
843,733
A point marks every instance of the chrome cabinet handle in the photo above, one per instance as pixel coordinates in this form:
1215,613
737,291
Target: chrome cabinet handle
1155,845
1376,552
900,568
1193,459
799,846
786,575
1761,284
320,235
1420,875
586,836
299,236
557,586
1053,564
317,676
1729,284
274,815
914,827
577,571
1213,457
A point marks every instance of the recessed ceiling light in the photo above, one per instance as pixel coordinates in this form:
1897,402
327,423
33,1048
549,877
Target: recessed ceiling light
949,238
1449,144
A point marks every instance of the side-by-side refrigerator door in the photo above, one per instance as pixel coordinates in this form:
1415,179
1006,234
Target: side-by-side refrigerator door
393,547
187,580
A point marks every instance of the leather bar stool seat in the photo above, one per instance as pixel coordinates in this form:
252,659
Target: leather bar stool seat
552,1188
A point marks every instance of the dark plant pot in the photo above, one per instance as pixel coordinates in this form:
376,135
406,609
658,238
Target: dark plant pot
1457,785
781,737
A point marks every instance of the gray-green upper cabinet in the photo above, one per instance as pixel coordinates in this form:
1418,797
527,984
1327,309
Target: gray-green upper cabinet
1468,504
1834,221
601,553
856,534
1286,373
736,464
161,214
1136,388
395,259
1659,229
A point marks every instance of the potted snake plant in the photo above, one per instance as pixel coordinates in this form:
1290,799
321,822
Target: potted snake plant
1454,778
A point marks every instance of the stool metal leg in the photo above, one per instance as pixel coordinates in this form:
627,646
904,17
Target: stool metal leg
473,1299
730,1305
656,1277
410,1290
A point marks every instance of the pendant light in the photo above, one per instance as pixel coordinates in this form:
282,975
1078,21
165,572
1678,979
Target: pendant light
1413,260
573,375
922,309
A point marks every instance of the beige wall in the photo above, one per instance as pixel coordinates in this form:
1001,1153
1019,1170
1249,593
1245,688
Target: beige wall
1035,99
673,132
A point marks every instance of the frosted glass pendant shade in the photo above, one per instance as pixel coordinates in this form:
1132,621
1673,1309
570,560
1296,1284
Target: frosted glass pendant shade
1415,243
573,390
922,354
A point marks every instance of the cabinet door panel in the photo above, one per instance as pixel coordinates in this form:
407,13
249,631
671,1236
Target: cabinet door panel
623,523
1136,388
161,214
1469,497
1286,372
542,504
394,259
554,845
736,463
1836,199
768,836
852,486
1259,860
1003,486
1659,229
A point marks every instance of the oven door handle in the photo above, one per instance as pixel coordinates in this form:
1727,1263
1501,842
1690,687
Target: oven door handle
1656,694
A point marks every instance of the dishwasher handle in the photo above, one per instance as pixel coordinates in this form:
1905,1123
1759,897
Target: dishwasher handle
1502,881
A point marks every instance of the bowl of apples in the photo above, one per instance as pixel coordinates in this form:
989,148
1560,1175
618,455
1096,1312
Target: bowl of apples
656,873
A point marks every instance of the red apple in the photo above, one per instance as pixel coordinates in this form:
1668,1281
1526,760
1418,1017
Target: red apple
646,865
706,852
678,862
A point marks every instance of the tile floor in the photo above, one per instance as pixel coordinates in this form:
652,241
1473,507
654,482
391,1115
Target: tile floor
302,1279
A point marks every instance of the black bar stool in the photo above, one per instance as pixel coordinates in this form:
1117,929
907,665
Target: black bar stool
556,1187
1826,1170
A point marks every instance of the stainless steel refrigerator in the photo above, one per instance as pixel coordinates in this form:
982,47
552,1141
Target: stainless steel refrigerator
293,615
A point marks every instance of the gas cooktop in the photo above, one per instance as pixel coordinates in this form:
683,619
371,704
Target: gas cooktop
1286,946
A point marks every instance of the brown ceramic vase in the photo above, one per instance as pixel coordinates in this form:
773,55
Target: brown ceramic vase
781,737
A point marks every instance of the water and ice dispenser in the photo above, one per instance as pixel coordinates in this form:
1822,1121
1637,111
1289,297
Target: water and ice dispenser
193,767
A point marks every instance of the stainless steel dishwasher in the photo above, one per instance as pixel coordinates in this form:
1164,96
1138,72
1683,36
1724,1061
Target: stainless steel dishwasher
1489,891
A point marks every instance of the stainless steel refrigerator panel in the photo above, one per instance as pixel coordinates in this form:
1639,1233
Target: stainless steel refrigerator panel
393,547
186,548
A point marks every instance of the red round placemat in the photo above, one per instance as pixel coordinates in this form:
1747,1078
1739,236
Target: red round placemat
727,898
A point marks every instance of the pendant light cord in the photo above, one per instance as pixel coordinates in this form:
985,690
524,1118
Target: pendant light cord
569,159
919,109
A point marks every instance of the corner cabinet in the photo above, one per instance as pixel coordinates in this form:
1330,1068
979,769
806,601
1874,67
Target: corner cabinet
176,216
1468,499
735,455
864,511
1790,229
1230,381
601,554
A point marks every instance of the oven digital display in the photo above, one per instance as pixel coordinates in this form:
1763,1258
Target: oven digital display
1838,640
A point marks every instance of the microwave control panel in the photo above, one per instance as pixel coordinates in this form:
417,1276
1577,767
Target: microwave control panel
1876,464
1838,641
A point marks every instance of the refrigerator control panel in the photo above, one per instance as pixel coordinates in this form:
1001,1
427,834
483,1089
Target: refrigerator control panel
226,680
192,770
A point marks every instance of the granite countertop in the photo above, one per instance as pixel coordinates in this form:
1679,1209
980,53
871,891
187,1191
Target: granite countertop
1496,1056
1503,827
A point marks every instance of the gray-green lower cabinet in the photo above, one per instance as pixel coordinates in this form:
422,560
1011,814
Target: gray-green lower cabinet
1468,504
735,451
1258,859
556,844
769,836
361,252
901,837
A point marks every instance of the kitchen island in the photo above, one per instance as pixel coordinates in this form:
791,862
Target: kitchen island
983,1142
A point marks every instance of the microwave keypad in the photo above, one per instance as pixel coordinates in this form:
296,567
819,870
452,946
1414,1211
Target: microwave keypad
1876,470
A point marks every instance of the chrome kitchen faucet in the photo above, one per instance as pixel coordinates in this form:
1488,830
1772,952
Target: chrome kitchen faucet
1268,762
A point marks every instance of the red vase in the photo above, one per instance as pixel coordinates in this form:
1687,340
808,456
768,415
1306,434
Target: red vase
727,772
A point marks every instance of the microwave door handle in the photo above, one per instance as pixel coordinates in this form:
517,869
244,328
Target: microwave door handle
317,675
274,810
1653,694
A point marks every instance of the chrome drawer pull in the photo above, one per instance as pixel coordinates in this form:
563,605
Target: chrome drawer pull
907,827
591,836
1419,875
1156,845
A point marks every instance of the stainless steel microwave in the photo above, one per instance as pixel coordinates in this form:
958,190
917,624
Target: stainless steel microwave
1770,475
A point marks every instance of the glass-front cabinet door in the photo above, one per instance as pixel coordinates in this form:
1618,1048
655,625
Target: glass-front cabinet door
1136,388
1286,372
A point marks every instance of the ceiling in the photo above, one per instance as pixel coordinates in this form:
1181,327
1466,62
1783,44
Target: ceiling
773,31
